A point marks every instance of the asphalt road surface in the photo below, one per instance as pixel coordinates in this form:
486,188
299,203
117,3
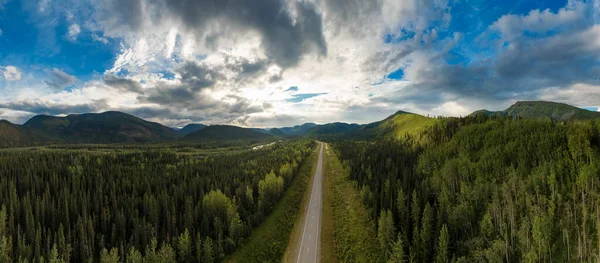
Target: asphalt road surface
311,231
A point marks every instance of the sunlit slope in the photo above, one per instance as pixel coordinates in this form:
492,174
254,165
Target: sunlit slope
398,126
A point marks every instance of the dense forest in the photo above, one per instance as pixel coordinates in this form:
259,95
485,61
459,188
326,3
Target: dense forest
483,189
118,204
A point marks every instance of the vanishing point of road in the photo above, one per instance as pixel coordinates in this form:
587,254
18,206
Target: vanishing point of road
308,251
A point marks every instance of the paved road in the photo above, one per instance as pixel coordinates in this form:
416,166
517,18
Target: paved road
308,251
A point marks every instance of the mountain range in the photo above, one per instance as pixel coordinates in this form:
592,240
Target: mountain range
118,127
542,110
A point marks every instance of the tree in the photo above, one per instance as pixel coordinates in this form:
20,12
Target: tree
64,248
134,256
184,245
397,255
269,190
198,248
53,255
166,254
426,232
443,245
109,257
5,239
385,231
151,255
207,251
235,227
216,205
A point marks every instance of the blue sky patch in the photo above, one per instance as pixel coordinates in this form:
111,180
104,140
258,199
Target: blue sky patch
396,75
301,97
293,88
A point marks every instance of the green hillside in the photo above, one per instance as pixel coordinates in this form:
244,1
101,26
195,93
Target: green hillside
224,133
338,128
298,129
543,110
192,127
276,132
14,135
104,127
396,126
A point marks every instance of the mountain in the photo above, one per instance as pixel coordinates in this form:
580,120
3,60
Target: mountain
334,128
225,133
14,135
298,129
261,130
192,127
542,110
107,127
397,125
277,132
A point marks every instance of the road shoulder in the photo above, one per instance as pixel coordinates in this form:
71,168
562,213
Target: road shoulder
327,241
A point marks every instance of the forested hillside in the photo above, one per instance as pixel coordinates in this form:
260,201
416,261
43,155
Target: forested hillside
107,127
125,205
542,110
224,133
483,190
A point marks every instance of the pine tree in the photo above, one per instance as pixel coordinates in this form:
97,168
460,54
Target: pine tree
166,254
198,248
109,257
5,239
207,251
443,246
398,250
385,231
53,255
426,233
184,245
134,256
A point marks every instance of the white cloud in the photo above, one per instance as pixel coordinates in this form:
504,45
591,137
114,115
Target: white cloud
1,32
74,31
11,73
100,39
241,74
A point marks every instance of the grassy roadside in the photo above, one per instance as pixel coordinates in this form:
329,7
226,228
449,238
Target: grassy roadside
327,229
290,252
354,236
270,240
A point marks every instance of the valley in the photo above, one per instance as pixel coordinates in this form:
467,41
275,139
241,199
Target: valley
516,185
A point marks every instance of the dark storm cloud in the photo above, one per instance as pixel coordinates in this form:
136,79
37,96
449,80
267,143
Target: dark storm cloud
286,36
123,83
51,108
195,77
59,79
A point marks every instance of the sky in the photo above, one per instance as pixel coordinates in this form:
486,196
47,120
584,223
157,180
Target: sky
273,63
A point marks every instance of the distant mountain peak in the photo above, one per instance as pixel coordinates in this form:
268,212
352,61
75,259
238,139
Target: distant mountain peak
542,110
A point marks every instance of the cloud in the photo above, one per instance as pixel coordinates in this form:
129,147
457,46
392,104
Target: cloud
73,32
59,79
124,84
287,29
1,32
242,61
54,108
100,39
11,73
